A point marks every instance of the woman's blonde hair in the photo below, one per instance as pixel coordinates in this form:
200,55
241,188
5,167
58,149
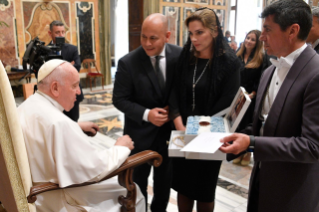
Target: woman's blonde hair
257,58
208,18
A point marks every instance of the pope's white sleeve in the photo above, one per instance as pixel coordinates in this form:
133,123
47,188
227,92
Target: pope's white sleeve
116,155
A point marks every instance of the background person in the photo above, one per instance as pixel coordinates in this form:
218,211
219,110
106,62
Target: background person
233,45
208,63
70,54
143,83
59,151
253,63
285,128
313,37
227,36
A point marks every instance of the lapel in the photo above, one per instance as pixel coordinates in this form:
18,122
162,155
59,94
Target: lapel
149,71
277,106
169,70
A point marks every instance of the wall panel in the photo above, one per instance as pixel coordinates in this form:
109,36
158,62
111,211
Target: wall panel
27,19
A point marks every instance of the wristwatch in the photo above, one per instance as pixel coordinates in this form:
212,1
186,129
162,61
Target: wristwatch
251,146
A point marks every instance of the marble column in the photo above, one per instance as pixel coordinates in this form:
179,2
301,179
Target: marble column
105,41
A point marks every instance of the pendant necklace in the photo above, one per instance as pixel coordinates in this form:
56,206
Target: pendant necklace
195,82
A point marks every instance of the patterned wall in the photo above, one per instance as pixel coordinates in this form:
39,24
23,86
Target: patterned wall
268,2
8,36
310,2
314,3
178,10
26,19
39,15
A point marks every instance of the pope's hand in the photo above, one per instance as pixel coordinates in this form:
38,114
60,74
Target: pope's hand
240,143
89,128
158,116
125,141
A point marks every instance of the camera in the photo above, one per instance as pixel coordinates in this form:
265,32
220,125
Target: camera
37,54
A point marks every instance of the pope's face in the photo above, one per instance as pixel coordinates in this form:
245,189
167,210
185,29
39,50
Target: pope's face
70,88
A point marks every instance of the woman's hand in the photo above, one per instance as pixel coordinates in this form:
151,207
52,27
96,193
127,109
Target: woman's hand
178,122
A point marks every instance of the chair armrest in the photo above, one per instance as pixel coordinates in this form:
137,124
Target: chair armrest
125,172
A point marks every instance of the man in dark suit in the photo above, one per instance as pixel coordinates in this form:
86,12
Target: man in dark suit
142,87
313,37
70,54
285,128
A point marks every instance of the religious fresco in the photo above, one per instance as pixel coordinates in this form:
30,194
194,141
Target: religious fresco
173,15
41,15
221,16
8,37
177,12
197,1
187,12
219,2
23,20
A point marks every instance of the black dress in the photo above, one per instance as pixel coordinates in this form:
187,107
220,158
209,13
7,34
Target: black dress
197,179
249,79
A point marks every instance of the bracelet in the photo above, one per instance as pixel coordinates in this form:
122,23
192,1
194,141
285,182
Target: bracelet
181,138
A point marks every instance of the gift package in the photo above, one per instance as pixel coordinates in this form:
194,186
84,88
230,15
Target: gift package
222,123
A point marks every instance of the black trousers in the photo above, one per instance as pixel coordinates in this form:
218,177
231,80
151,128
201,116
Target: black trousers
162,177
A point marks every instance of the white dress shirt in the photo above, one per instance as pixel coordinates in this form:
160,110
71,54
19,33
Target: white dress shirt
283,65
162,65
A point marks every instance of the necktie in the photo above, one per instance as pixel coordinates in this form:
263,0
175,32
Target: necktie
159,74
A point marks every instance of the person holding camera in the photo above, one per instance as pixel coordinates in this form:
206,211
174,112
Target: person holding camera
69,53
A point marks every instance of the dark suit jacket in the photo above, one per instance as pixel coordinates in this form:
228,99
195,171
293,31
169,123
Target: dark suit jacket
70,53
287,155
136,89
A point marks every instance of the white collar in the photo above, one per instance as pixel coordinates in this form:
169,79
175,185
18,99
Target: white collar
162,54
289,60
53,102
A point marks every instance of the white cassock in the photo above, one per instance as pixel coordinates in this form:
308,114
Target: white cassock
59,152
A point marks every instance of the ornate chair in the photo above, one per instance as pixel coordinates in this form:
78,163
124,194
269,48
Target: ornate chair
16,191
93,72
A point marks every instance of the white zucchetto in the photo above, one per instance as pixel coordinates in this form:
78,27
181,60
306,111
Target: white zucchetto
48,67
